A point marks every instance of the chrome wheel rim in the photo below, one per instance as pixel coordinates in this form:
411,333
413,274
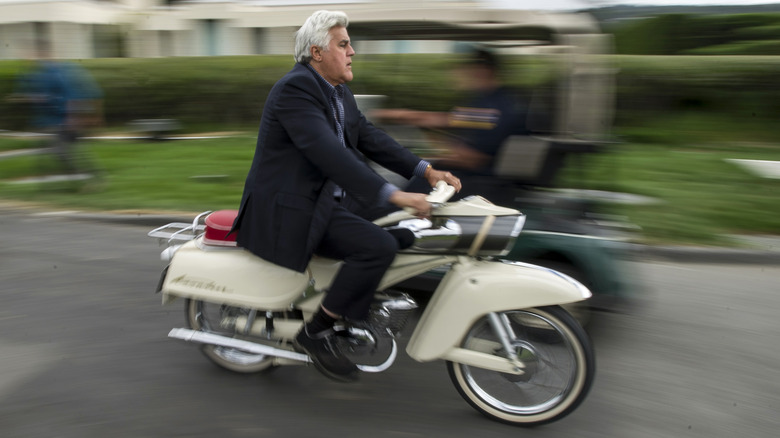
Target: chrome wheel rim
551,366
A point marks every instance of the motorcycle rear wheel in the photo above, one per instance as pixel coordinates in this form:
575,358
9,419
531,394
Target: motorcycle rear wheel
560,368
206,317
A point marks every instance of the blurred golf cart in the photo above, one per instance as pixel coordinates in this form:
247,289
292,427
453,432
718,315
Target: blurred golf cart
569,117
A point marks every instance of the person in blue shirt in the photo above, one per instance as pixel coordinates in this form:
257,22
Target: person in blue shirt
65,101
475,130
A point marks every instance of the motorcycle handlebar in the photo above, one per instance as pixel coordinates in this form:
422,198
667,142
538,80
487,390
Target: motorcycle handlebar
440,194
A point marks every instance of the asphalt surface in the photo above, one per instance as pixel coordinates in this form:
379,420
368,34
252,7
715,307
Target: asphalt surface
84,353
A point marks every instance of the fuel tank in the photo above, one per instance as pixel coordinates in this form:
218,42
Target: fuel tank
230,275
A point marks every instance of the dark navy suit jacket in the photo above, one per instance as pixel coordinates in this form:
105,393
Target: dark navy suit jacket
288,195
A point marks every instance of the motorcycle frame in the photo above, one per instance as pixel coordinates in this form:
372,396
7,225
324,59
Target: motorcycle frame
471,289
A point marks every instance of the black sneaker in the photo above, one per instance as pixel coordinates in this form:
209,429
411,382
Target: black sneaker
325,355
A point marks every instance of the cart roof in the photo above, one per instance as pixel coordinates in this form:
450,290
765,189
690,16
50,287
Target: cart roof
469,25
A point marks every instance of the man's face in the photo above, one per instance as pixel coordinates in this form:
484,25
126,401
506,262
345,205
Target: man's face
469,77
335,64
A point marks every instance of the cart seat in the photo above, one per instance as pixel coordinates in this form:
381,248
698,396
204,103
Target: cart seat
218,225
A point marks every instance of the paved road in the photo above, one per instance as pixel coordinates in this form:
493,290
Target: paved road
83,353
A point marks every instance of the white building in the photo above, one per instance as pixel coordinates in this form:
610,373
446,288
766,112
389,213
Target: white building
155,28
73,29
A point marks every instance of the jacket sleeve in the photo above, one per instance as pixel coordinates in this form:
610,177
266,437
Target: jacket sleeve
377,145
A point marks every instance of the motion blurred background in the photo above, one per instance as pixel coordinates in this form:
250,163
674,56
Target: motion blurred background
685,97
668,113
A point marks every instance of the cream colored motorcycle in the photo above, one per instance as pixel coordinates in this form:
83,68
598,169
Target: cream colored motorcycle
511,351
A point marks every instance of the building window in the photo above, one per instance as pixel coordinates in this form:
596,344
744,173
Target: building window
42,36
166,43
107,41
211,37
258,41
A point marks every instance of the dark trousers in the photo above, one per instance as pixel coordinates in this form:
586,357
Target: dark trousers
367,251
63,145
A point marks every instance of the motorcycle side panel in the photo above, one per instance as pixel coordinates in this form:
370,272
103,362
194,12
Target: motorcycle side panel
404,266
472,289
231,276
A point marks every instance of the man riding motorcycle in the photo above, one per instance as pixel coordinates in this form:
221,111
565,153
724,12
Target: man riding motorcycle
307,173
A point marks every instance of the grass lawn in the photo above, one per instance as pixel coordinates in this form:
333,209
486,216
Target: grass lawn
703,196
191,175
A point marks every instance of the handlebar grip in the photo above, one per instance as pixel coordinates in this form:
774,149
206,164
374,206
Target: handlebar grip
441,193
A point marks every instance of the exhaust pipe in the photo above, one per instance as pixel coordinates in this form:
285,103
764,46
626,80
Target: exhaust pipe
239,344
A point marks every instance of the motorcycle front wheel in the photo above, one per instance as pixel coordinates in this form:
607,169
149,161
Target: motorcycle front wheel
208,317
559,367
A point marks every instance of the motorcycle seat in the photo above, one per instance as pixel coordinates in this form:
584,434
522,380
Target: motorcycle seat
218,225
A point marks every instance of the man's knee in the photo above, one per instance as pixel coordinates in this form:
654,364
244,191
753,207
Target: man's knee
384,246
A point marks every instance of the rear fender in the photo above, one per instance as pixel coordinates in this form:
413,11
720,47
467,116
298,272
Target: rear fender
231,276
162,280
167,299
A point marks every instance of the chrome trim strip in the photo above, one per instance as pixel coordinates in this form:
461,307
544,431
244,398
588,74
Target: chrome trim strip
383,366
579,236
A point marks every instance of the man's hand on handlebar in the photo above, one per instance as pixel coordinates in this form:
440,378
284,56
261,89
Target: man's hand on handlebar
414,203
433,176
417,203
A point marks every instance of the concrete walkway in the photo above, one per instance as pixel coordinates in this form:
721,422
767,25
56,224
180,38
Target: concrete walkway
24,152
762,168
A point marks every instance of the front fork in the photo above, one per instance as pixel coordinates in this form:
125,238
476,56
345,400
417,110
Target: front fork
503,330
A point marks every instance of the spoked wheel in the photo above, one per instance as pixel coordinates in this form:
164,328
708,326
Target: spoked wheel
207,317
559,367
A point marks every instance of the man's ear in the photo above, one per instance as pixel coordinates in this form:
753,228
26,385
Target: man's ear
316,53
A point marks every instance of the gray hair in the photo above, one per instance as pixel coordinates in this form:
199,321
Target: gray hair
315,32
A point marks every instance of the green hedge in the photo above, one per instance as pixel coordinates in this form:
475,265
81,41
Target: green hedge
674,34
223,91
760,47
723,84
12,116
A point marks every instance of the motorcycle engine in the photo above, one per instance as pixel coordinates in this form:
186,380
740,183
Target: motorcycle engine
372,342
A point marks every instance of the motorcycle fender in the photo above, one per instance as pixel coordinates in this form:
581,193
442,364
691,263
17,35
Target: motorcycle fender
167,299
231,276
472,289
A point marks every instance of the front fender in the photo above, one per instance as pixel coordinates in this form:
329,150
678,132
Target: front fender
472,289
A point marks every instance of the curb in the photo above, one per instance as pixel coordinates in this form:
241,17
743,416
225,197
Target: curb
139,219
713,255
679,254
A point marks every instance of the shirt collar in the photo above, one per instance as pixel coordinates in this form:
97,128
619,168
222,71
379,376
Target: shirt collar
338,90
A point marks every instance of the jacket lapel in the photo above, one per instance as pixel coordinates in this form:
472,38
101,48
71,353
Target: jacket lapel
320,93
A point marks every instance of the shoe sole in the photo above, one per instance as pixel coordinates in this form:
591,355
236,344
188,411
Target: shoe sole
343,378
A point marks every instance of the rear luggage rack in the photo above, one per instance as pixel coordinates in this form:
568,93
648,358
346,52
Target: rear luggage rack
181,231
